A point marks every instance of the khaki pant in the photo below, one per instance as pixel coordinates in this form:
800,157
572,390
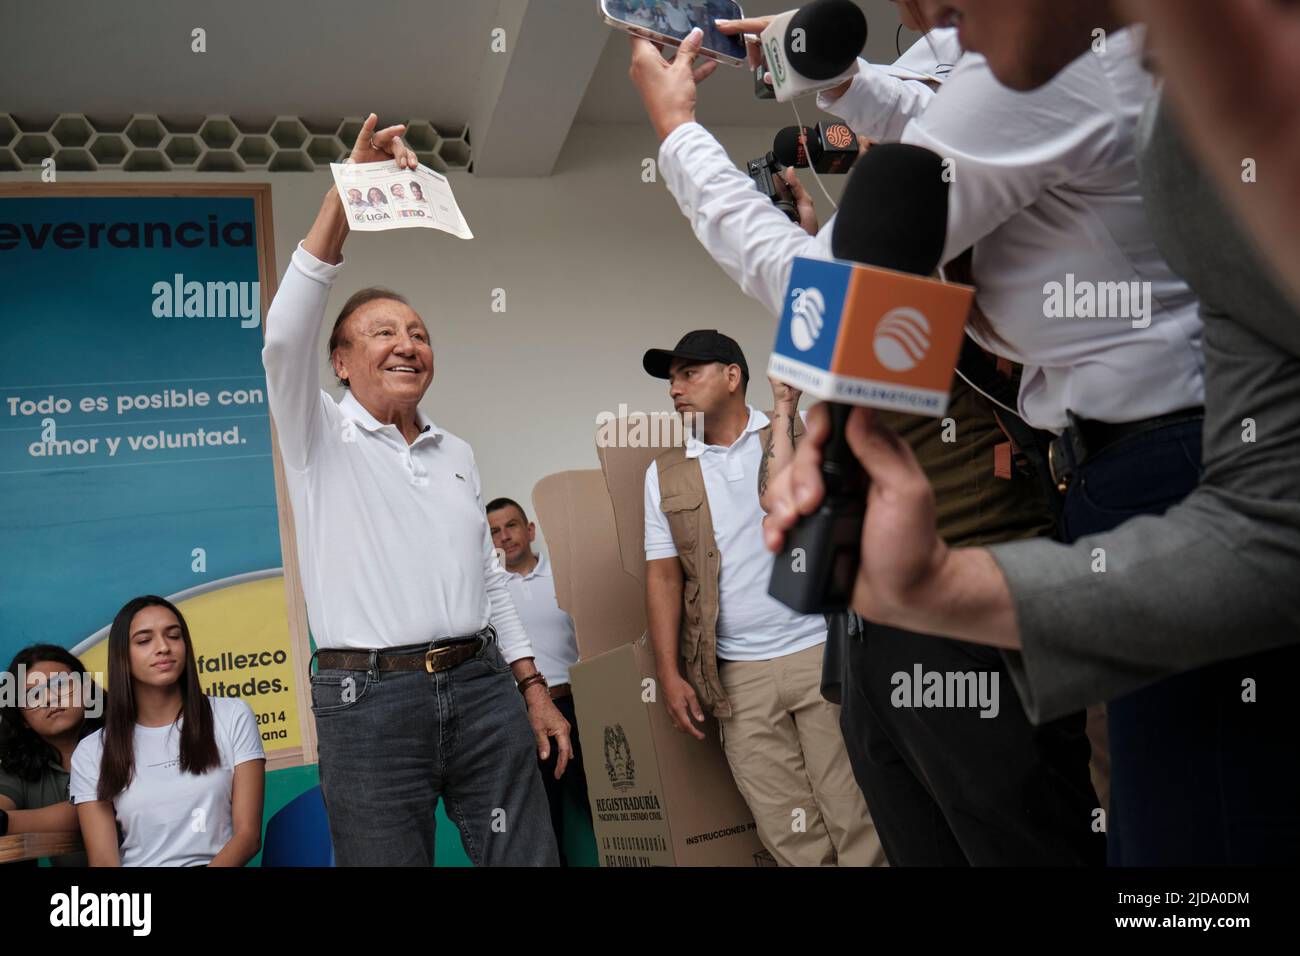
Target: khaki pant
786,753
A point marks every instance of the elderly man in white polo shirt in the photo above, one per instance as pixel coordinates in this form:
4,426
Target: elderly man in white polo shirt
550,629
417,634
754,663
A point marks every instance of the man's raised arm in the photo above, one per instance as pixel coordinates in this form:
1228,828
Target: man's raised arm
876,103
293,322
753,241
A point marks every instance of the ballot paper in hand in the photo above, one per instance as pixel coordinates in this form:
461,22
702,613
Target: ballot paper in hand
384,196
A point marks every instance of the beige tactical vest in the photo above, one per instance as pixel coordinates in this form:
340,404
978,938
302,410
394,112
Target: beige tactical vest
685,503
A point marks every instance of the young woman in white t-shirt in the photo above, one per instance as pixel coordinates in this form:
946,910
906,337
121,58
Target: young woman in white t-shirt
181,774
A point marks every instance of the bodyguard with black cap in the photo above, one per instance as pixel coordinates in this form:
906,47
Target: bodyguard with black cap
751,661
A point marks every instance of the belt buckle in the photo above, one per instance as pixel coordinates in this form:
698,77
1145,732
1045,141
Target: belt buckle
429,655
1062,483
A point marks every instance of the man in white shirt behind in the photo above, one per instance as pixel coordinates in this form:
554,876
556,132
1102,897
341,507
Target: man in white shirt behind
550,631
754,663
408,606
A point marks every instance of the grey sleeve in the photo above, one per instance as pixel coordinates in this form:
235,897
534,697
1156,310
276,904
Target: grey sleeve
12,787
1218,576
1212,579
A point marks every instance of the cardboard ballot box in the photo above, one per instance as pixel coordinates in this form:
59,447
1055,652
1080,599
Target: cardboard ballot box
659,797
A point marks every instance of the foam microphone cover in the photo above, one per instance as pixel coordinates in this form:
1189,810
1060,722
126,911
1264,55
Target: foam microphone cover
790,152
833,34
894,211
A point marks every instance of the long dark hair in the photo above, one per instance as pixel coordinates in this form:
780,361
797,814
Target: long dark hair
198,742
23,752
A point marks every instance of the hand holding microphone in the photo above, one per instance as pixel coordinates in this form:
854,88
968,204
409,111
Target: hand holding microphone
814,48
883,337
784,396
803,202
825,148
901,559
806,50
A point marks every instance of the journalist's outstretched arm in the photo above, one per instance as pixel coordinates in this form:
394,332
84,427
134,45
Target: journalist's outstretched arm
753,241
879,102
293,322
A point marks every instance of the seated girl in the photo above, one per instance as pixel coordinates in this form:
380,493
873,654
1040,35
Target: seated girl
180,774
38,733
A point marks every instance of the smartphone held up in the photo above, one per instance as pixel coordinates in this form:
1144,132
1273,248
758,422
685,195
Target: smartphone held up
671,21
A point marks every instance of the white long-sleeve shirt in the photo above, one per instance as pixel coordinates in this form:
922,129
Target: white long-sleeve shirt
882,100
549,626
1045,189
392,538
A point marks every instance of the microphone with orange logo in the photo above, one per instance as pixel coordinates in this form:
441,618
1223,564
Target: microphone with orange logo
867,328
826,147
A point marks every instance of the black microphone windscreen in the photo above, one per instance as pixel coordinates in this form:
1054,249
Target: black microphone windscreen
825,37
790,152
894,211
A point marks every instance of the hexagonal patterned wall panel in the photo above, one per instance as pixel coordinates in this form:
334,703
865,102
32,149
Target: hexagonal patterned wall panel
146,143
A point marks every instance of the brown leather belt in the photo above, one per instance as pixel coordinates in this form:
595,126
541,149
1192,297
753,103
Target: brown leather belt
434,658
561,690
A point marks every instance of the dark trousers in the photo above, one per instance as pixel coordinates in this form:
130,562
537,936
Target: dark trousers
1199,776
947,787
393,742
573,783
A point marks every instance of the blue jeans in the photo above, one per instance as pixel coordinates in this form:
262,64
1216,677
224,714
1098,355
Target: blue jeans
393,743
1197,776
1144,475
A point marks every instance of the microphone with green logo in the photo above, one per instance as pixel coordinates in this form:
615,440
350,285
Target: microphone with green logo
813,48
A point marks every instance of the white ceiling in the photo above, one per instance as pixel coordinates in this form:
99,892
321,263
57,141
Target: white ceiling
326,59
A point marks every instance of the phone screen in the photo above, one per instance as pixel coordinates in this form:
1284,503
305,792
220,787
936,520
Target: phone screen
676,18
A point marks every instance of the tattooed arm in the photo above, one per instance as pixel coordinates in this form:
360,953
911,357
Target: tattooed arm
778,451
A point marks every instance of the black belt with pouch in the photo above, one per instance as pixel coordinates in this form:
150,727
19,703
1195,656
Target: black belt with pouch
1084,440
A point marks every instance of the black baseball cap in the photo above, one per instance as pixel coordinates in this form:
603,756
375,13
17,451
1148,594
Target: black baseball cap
702,345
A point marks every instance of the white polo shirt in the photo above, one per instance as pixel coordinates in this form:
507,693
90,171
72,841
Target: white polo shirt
549,627
752,625
1045,188
392,538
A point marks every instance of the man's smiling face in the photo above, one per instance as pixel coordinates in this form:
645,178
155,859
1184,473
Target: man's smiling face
386,356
